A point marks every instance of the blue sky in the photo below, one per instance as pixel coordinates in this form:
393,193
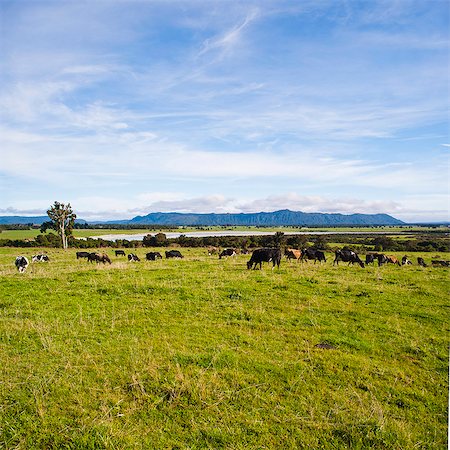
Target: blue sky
129,107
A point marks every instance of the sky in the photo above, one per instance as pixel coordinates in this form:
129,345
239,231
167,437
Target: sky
123,108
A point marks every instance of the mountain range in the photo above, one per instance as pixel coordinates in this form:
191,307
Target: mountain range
283,217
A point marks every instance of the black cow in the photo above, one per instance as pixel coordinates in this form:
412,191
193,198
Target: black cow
442,263
40,258
421,262
21,263
347,256
153,256
119,252
371,257
312,253
133,258
82,255
265,255
99,257
227,252
174,254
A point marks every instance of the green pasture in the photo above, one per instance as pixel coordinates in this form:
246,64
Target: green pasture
203,353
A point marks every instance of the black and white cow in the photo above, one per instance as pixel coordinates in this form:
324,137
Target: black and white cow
265,255
347,256
133,258
406,261
153,256
40,258
21,263
227,252
173,254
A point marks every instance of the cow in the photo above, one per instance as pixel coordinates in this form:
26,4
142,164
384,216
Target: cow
82,255
393,260
40,258
99,257
153,256
265,255
382,259
21,263
406,261
133,258
174,254
346,255
442,263
312,253
421,262
212,250
119,252
292,253
227,252
371,257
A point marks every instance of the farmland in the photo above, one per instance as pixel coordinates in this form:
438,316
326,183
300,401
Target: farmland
202,353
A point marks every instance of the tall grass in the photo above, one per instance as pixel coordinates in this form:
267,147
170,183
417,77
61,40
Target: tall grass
201,353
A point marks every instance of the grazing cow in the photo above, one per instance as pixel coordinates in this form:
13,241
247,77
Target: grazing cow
406,261
212,250
227,252
174,254
82,255
21,263
312,253
40,258
393,260
99,257
153,256
265,255
119,252
245,251
371,257
382,259
133,258
292,253
347,256
442,263
421,262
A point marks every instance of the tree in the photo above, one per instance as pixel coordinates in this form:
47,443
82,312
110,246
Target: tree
62,221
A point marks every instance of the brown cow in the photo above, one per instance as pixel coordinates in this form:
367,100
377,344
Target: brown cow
99,257
292,253
393,260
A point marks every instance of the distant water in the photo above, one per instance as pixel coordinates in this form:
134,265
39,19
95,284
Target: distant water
172,235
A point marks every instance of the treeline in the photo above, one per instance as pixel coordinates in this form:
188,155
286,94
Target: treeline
361,243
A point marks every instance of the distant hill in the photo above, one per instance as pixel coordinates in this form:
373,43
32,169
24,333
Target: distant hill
283,217
24,220
277,218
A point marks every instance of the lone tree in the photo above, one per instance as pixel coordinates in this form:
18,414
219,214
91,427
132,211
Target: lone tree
62,221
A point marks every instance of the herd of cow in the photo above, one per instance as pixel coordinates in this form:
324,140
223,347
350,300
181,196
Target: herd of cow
258,256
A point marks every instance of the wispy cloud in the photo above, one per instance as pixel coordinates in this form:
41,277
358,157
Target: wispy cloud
275,96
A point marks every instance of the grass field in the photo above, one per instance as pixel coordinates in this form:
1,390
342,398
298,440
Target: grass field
202,353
